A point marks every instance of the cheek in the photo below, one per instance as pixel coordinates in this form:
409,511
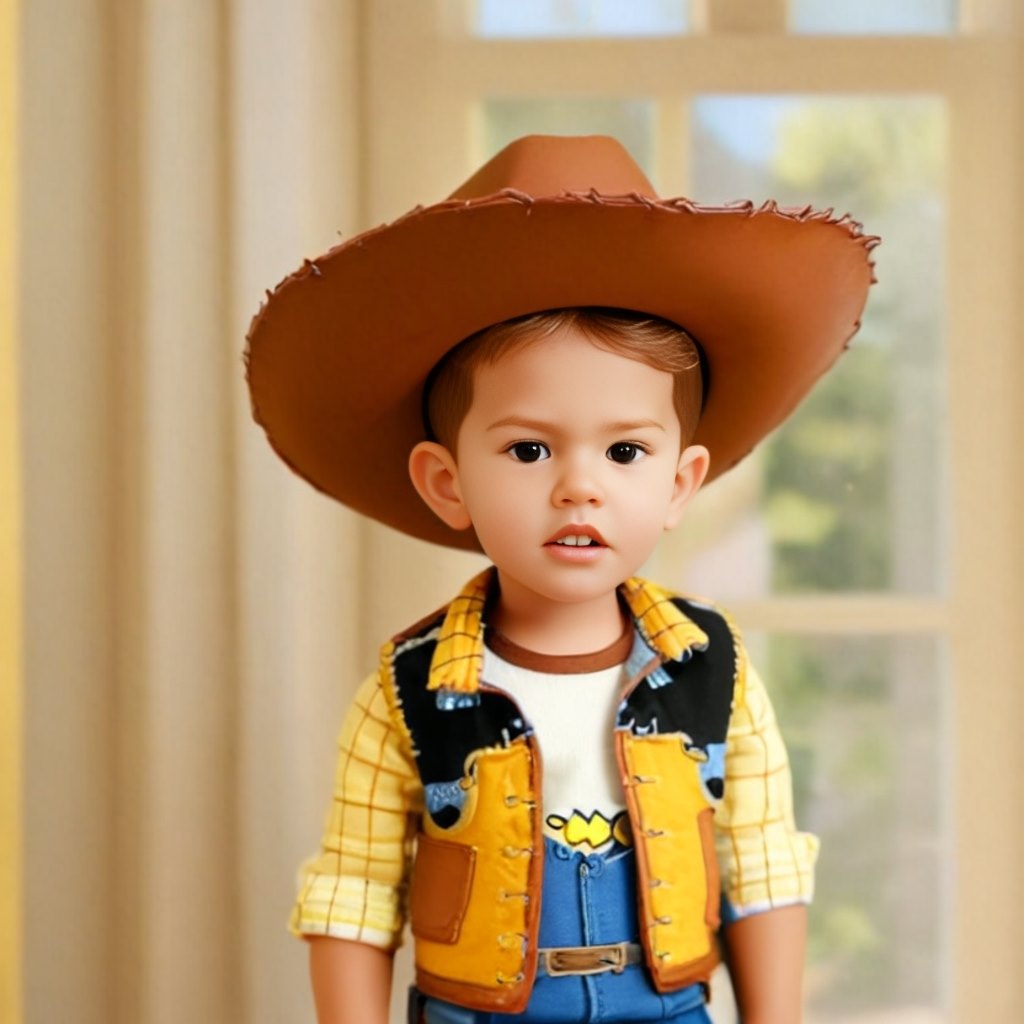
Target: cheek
481,480
498,507
649,500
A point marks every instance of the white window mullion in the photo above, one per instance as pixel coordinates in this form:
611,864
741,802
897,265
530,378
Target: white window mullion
727,16
671,145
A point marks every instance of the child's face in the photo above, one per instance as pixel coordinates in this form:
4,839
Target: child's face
564,441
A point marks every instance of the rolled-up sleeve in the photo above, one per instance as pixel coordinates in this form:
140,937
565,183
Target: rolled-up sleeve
355,888
765,862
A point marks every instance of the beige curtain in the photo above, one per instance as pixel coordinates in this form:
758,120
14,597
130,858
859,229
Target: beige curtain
193,612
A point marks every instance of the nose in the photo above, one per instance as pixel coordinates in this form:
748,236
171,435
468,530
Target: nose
577,485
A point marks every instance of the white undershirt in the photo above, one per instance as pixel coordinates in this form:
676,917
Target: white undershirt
573,717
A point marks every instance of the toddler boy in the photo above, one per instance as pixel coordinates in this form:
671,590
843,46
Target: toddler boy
568,774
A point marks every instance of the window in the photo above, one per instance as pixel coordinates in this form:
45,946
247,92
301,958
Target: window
879,17
579,18
835,545
540,18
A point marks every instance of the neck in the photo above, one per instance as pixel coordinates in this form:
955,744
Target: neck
546,626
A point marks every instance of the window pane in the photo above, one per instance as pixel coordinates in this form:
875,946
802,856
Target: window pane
533,18
864,721
873,17
630,121
850,494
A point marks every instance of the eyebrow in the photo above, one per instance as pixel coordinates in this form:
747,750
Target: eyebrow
542,426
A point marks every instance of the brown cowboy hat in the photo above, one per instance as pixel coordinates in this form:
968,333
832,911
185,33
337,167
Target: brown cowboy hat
338,354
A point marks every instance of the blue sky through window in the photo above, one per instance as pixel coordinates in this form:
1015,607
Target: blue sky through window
530,18
567,18
874,17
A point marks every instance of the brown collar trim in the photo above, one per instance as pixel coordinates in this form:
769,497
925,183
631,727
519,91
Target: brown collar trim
560,664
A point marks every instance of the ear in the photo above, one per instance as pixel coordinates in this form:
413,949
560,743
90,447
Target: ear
435,476
692,468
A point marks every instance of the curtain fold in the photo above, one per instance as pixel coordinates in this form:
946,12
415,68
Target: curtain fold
192,609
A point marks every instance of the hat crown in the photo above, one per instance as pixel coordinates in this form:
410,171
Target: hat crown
548,165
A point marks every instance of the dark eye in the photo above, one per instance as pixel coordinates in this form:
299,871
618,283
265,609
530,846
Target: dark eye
529,451
624,452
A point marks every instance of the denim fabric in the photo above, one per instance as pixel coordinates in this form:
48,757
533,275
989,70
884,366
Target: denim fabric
588,900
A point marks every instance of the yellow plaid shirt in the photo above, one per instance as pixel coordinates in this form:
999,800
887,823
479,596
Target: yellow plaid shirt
355,887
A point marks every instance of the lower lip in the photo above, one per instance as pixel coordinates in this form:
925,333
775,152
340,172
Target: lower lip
575,555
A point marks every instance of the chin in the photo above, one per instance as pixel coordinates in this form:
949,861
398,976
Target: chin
581,588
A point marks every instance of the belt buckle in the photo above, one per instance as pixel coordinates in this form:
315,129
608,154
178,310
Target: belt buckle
585,960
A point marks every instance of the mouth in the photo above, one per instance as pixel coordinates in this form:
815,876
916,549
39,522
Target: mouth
577,536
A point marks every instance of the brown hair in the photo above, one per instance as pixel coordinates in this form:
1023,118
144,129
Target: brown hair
640,336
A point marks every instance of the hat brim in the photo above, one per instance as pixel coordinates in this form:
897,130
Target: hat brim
338,355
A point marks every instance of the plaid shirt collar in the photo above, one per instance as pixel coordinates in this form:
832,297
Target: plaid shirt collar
459,656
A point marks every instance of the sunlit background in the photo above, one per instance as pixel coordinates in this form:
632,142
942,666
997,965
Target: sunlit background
215,614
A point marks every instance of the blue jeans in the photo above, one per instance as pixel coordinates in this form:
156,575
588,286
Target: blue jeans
588,901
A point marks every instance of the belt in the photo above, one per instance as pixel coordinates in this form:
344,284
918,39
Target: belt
588,959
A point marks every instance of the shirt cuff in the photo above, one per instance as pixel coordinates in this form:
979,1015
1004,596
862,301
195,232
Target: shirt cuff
347,907
779,874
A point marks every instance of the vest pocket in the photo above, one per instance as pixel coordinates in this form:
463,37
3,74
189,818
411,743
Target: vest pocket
442,877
